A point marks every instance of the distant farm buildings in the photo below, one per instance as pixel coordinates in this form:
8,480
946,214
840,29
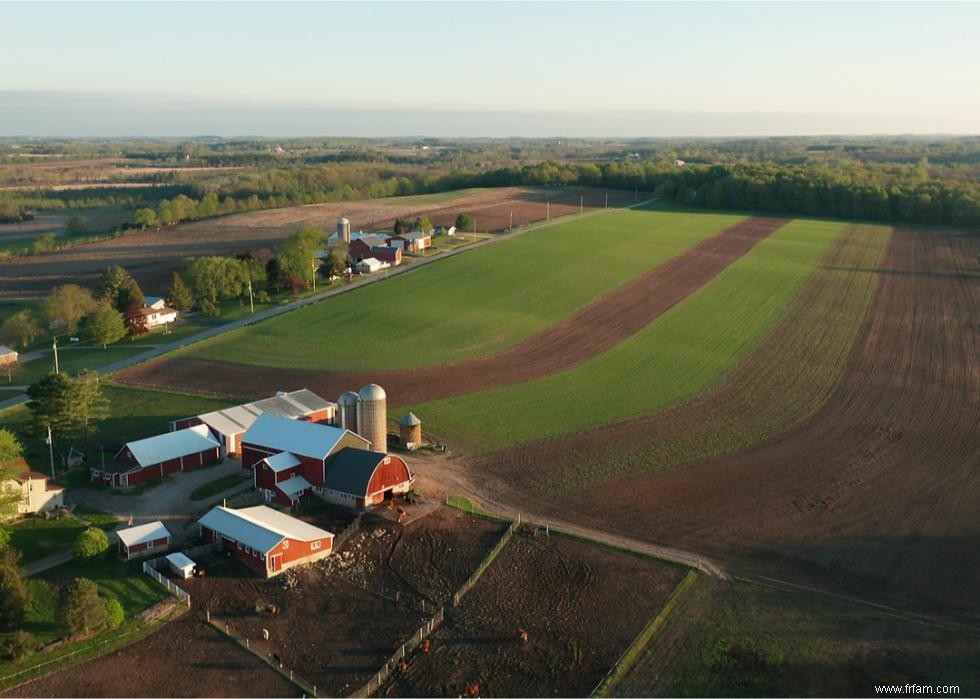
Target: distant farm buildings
416,241
266,540
157,312
7,356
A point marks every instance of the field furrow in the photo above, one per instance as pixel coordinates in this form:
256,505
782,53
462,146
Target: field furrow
789,375
592,330
670,360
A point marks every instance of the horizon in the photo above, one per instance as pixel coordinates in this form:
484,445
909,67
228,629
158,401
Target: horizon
488,69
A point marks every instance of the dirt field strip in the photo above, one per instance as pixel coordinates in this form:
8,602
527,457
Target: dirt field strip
875,494
150,256
787,377
586,334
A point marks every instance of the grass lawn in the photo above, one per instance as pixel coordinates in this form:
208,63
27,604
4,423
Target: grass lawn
36,537
133,414
71,360
126,581
219,485
473,304
673,358
742,639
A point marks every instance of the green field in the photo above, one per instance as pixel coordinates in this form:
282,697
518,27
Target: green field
484,301
36,537
673,358
134,414
741,639
787,376
71,360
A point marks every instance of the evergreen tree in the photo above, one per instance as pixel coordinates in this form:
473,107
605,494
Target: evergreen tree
15,596
178,295
82,611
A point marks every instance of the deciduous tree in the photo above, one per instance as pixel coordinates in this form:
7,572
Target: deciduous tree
90,545
82,611
105,325
20,329
68,304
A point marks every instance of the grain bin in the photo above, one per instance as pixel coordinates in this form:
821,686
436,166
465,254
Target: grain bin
372,416
343,229
347,411
410,431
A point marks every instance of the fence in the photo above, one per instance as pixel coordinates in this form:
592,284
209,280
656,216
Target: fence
308,687
629,657
381,676
87,651
465,587
149,567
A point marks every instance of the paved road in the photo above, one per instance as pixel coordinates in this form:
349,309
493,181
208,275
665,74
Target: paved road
417,263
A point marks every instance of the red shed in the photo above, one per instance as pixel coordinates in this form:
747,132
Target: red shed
264,539
143,540
156,457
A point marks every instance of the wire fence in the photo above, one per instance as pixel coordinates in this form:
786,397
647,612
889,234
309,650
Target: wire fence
382,675
465,587
83,652
269,659
150,568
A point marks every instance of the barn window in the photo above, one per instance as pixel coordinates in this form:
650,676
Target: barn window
314,546
285,544
240,546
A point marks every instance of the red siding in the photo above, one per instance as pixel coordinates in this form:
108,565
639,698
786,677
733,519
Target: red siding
298,550
388,475
186,422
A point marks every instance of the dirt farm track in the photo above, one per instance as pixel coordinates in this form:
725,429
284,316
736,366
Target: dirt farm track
594,329
152,255
877,493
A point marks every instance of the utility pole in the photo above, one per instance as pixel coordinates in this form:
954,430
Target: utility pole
511,226
51,451
251,301
54,344
581,203
313,266
607,201
548,214
474,226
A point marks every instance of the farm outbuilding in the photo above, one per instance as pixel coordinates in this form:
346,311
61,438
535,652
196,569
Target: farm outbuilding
416,241
181,565
360,479
7,356
230,424
266,540
287,457
157,312
156,457
410,431
370,265
143,540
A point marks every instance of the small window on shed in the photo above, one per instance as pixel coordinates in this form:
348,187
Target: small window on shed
285,544
314,546
387,459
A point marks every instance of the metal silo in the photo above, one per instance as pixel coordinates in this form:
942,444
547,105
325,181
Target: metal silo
347,411
343,229
372,416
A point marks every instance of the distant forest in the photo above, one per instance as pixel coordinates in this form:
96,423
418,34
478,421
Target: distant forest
916,180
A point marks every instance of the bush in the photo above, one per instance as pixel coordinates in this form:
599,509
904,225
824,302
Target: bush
20,645
91,544
82,610
262,296
114,612
210,308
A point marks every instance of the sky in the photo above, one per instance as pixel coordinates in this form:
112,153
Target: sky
488,69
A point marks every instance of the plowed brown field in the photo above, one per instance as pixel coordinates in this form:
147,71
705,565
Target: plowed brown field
879,490
589,332
150,256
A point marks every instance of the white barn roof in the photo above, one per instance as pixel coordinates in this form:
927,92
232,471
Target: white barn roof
303,438
181,561
281,461
260,527
293,485
171,445
143,533
239,418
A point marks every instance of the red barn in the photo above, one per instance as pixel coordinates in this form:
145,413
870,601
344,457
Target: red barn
373,246
143,540
287,457
156,457
359,478
264,539
230,424
416,241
